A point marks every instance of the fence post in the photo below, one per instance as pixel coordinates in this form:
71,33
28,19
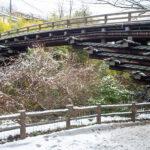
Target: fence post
133,109
22,124
69,114
98,110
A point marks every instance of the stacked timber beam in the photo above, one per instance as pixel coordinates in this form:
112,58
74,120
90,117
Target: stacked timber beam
6,54
122,55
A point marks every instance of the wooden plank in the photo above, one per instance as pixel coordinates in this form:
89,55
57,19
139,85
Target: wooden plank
9,128
45,123
10,117
117,114
143,104
85,108
47,112
116,106
143,111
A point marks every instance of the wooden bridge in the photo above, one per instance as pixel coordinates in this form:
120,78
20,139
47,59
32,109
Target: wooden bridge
108,27
131,29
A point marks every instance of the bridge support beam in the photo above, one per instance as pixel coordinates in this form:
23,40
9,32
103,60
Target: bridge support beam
127,29
50,35
37,36
16,40
6,41
83,31
26,38
65,33
103,40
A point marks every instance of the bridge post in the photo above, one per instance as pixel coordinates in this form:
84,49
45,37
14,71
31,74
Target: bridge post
68,23
129,17
105,19
85,20
8,32
17,30
28,29
40,27
53,25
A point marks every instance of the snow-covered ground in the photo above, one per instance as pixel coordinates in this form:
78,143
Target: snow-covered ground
96,137
54,126
61,125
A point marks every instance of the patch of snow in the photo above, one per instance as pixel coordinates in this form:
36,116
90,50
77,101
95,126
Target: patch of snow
55,126
88,138
60,125
143,116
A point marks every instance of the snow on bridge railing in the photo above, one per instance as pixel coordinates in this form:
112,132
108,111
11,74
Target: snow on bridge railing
122,17
25,123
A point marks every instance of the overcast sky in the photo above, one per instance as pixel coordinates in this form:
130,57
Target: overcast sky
46,7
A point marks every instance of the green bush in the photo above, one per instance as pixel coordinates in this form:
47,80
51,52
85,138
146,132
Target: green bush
110,91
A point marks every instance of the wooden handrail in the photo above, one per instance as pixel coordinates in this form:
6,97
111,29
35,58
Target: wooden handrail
81,21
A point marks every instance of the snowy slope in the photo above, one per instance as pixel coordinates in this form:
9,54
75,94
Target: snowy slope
96,137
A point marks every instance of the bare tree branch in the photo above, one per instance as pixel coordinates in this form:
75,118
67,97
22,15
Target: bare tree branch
128,4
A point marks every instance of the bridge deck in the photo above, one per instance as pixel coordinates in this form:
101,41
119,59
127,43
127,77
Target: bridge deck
109,27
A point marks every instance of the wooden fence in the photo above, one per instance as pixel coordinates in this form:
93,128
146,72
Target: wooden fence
123,17
69,114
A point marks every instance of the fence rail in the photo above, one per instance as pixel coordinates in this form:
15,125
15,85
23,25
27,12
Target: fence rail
72,113
123,17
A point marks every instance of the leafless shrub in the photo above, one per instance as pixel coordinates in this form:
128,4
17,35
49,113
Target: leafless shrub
38,81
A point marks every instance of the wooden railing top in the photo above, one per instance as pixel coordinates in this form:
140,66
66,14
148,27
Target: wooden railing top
122,17
58,111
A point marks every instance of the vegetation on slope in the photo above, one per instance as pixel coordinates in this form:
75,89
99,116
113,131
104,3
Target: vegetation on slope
57,77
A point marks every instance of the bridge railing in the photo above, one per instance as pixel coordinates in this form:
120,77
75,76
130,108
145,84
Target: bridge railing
132,16
24,123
